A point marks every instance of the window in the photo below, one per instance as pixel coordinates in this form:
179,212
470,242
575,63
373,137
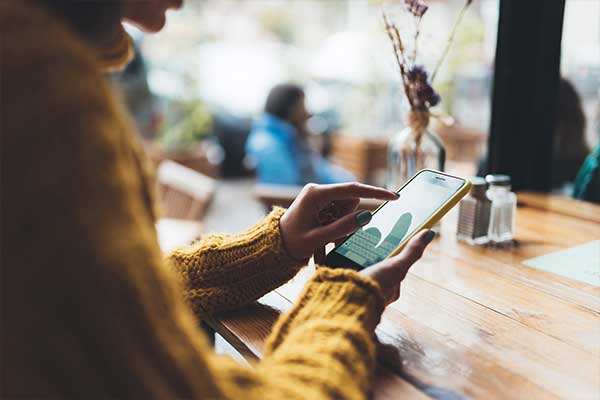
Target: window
223,56
580,60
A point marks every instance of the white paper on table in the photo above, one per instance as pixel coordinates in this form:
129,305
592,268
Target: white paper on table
581,263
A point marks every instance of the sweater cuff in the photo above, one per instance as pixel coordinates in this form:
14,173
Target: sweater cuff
284,259
339,295
364,296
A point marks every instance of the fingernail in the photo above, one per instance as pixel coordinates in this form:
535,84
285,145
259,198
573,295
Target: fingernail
429,236
363,218
395,194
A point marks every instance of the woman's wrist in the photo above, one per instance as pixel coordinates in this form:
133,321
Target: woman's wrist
284,244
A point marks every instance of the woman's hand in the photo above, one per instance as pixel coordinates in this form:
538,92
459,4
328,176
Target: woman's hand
322,214
390,272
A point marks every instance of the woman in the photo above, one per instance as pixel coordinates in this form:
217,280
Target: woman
570,146
278,145
90,309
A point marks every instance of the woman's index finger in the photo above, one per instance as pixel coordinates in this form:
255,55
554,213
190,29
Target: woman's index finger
341,191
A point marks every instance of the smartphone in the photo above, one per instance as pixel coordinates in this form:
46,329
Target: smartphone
423,201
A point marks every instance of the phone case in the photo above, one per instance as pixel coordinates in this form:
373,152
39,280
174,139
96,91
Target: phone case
447,206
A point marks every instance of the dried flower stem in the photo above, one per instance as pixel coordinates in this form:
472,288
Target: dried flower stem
450,39
395,39
417,32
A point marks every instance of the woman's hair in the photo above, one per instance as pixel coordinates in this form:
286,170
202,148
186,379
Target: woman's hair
569,136
282,99
94,20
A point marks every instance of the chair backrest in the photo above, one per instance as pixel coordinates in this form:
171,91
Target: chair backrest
183,192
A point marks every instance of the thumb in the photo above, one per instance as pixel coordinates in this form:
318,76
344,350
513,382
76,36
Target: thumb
342,227
412,252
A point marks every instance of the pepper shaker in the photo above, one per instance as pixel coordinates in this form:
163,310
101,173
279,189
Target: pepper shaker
474,214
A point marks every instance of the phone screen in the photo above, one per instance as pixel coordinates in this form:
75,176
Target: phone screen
397,220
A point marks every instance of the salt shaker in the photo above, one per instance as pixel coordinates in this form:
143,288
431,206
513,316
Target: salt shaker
474,214
503,210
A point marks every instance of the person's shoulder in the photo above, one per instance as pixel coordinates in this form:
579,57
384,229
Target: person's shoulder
50,82
31,33
41,53
262,140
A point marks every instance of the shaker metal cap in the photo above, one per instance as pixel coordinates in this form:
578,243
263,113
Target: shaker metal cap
478,186
498,179
478,181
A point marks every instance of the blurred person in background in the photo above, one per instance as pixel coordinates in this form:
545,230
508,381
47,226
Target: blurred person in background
570,147
91,308
278,144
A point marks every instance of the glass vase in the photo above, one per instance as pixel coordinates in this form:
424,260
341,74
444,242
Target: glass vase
409,152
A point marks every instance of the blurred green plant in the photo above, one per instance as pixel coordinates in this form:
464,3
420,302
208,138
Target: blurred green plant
194,124
279,23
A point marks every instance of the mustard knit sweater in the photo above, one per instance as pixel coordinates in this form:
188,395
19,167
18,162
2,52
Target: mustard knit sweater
90,306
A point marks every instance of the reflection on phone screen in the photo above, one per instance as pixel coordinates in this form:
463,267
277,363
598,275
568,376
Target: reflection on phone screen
397,220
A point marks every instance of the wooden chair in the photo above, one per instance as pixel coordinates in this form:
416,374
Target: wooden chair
462,143
183,192
366,158
196,157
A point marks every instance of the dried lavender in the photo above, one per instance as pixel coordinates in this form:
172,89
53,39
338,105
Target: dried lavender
418,89
422,93
416,7
417,73
416,39
396,41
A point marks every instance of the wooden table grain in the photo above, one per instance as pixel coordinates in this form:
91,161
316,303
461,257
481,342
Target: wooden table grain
473,322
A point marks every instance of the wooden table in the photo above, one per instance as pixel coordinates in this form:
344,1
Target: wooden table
473,322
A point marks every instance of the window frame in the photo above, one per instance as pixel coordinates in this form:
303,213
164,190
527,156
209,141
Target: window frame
525,92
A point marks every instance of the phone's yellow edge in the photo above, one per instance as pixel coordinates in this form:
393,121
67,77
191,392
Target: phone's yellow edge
440,212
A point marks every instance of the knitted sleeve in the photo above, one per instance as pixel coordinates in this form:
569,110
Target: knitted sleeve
221,272
322,349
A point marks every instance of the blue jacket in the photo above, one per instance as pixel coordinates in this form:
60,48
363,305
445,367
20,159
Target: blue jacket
282,158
